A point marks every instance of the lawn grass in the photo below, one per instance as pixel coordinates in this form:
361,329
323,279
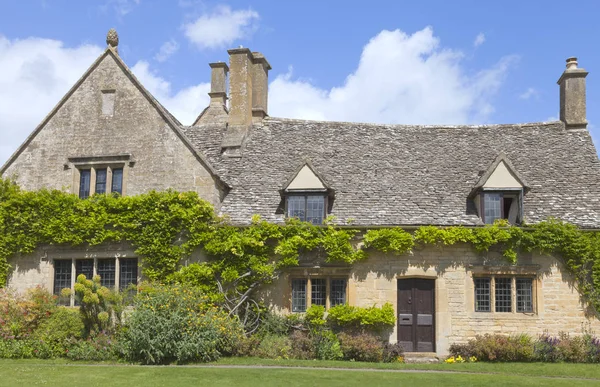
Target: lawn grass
62,373
591,371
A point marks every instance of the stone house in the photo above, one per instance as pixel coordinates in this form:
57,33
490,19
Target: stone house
109,134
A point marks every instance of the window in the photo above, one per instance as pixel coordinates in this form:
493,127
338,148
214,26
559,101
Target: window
524,295
106,268
95,180
498,291
307,208
482,295
326,292
501,205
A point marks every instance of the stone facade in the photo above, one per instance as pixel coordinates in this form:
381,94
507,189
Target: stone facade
557,306
159,159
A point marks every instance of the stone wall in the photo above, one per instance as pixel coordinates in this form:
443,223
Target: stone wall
79,128
557,304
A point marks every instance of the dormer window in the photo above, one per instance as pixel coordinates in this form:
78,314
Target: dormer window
307,208
499,193
306,196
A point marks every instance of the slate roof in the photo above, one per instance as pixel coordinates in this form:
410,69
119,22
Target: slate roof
407,174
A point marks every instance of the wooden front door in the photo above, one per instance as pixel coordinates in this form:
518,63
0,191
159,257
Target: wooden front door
416,314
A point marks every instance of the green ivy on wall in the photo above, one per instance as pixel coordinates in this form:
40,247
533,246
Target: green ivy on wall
166,227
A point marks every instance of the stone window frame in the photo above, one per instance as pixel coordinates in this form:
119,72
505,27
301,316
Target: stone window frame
308,293
513,298
82,257
94,163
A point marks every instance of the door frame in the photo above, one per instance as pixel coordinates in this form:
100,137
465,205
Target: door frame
434,319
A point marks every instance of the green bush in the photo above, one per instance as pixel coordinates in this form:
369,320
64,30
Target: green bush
353,318
315,316
176,323
566,348
100,307
97,347
361,347
64,324
327,346
391,352
274,347
272,323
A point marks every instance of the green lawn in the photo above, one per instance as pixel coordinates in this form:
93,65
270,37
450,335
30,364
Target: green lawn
61,373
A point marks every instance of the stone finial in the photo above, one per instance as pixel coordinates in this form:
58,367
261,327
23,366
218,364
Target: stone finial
112,38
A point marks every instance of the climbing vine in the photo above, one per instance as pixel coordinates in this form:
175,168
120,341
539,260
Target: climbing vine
165,228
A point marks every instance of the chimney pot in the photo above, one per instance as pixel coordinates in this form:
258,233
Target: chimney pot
572,63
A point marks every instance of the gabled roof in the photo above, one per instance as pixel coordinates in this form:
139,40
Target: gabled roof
408,174
173,123
306,164
501,158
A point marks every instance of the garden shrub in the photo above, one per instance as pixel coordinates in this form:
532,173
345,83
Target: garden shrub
272,323
302,346
566,348
100,307
64,325
361,347
274,347
496,347
392,352
354,318
97,347
327,346
176,323
315,316
20,315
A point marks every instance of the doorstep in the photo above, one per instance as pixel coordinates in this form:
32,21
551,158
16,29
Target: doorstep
421,357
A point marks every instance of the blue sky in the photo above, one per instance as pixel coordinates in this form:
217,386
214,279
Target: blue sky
428,62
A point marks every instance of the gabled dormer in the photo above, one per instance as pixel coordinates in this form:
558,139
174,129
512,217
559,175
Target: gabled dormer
499,192
307,196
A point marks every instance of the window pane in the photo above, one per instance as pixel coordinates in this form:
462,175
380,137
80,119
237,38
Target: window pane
492,207
337,292
524,295
106,271
62,278
315,209
299,295
297,207
100,181
127,273
85,267
482,295
318,295
503,294
84,183
117,180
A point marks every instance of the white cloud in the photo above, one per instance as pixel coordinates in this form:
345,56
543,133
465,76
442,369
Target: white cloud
120,7
529,93
479,39
400,78
167,50
35,73
221,27
185,104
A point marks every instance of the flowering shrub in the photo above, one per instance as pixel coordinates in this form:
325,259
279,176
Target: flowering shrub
566,348
20,315
274,347
176,323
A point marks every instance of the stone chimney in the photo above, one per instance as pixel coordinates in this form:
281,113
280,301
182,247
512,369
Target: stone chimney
260,84
218,83
572,96
240,92
248,83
